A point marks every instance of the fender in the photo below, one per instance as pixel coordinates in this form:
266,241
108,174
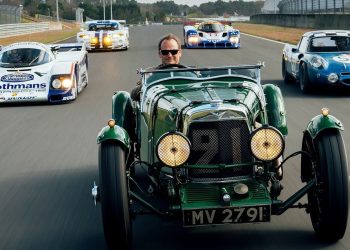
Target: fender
314,128
276,112
116,133
320,123
123,113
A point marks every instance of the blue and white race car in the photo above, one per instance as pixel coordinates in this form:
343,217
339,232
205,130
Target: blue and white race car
104,35
211,34
33,72
321,58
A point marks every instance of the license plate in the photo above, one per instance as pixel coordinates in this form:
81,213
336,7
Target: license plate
228,215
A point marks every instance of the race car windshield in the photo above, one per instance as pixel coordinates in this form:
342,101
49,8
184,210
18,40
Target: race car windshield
330,44
23,57
98,27
211,27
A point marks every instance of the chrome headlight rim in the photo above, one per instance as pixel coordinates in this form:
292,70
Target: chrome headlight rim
162,138
278,133
333,77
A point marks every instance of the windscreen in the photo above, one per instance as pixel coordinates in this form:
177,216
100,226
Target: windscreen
248,72
102,26
23,57
330,44
211,27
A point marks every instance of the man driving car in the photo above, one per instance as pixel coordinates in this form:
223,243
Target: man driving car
169,50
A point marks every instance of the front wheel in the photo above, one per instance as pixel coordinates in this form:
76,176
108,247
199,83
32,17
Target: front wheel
305,84
287,77
328,200
114,196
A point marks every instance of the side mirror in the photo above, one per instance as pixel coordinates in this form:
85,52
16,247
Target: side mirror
294,50
55,48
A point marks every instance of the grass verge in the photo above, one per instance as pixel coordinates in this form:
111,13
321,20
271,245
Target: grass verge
277,33
43,37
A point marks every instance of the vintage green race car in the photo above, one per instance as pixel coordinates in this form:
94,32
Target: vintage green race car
206,146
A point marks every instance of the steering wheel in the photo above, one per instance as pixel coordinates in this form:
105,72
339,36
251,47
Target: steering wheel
174,65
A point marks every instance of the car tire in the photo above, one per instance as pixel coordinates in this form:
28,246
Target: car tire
328,200
287,77
304,81
114,198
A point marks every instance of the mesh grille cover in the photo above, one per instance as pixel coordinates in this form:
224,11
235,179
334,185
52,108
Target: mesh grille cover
219,142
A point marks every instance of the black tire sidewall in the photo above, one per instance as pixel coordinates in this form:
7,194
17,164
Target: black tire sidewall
304,82
329,212
114,196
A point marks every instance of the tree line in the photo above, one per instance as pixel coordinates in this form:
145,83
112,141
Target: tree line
135,12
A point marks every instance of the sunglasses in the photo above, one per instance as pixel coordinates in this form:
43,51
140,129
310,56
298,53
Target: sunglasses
172,51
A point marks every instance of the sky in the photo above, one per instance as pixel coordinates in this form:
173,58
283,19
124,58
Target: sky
188,2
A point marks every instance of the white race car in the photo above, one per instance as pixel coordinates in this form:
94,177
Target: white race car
211,34
31,71
104,35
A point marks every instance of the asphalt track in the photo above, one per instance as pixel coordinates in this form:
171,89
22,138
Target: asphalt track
48,159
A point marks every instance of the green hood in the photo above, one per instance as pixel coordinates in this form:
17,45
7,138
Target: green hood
176,106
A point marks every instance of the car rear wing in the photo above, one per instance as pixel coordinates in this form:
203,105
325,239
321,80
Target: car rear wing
63,47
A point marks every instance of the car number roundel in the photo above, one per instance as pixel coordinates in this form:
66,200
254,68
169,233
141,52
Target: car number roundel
343,58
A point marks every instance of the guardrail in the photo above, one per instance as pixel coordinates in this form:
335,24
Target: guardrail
16,29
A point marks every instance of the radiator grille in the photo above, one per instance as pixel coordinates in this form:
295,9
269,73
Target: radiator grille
219,142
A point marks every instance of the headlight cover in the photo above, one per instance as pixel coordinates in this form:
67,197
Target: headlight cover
107,40
333,78
234,39
56,84
193,39
317,62
62,82
94,40
267,143
173,149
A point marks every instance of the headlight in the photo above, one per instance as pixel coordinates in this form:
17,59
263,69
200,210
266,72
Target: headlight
234,39
173,149
317,62
267,143
94,40
193,39
62,82
107,40
56,84
66,83
333,78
